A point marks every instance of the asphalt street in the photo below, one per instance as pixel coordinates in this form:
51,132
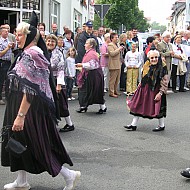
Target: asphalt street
111,158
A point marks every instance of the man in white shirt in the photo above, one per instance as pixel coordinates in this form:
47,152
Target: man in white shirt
100,36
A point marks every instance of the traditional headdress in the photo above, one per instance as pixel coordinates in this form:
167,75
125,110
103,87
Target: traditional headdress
33,21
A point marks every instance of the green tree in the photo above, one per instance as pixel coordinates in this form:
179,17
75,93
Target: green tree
125,12
157,26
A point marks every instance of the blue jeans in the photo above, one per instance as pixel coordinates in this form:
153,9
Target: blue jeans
69,86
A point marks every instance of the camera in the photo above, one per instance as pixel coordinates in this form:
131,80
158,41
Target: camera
122,45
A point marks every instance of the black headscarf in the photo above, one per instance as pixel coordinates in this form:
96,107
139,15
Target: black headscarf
33,21
154,75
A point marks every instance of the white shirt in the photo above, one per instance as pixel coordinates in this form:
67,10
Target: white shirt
175,61
71,71
132,59
100,40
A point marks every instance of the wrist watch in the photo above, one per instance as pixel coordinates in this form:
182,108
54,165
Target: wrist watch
20,114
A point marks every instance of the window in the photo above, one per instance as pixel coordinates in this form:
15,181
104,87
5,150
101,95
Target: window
31,4
77,20
9,3
55,12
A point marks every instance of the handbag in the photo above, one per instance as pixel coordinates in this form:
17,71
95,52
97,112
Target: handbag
14,147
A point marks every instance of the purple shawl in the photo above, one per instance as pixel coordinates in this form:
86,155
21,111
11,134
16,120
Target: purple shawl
32,69
91,54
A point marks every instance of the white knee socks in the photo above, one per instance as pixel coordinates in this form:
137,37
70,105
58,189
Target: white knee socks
161,122
22,177
103,106
66,173
68,121
135,121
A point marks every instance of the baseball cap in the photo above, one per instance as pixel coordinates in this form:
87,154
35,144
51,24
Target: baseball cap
89,23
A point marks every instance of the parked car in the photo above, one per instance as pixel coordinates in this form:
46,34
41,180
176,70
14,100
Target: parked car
143,37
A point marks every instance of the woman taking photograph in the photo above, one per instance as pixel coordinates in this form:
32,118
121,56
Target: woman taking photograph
149,100
31,112
91,80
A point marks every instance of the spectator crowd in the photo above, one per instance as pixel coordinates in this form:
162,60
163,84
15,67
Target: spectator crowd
94,62
121,57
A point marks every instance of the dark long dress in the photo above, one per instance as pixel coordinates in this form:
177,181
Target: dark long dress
45,151
91,81
142,103
58,68
92,91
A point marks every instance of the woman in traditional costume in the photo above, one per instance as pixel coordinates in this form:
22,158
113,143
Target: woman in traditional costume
149,100
91,80
32,114
58,70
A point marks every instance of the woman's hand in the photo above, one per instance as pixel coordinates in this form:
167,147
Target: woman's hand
18,124
158,97
79,65
58,88
163,59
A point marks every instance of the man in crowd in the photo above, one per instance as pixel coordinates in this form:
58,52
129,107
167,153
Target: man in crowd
166,50
5,58
42,27
100,36
67,41
114,65
65,28
78,31
11,38
55,30
82,40
135,37
84,27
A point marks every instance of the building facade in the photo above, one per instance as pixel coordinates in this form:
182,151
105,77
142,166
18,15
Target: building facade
179,18
72,13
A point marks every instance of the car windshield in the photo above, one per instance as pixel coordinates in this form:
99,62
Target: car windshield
144,36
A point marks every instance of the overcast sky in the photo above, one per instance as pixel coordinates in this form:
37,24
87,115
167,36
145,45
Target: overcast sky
158,10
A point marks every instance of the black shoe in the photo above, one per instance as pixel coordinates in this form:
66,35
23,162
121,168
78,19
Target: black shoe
133,128
101,111
182,90
82,110
174,90
67,128
186,173
158,129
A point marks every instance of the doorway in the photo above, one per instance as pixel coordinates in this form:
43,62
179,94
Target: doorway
9,17
13,18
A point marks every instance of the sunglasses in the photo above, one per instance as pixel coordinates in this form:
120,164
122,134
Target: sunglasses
154,57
